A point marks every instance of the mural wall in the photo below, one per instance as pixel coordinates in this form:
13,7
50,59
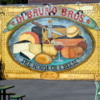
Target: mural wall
54,42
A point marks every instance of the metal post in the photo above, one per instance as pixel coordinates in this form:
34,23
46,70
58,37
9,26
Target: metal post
4,94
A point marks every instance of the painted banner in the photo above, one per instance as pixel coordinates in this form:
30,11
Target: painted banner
71,14
55,42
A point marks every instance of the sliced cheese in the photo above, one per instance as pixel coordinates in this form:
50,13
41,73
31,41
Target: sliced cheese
18,47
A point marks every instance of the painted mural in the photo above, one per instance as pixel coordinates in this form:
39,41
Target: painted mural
51,44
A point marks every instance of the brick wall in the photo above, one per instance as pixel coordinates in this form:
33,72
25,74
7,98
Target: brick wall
60,1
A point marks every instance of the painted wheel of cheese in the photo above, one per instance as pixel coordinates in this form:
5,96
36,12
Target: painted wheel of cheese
72,31
70,42
43,58
82,44
49,75
72,52
30,36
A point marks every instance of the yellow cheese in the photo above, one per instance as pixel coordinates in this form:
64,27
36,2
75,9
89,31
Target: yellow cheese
35,48
47,48
28,37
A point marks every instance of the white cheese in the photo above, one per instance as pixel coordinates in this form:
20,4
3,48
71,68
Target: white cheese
28,54
17,48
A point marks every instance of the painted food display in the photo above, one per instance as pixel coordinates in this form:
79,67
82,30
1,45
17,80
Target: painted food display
30,36
43,58
51,44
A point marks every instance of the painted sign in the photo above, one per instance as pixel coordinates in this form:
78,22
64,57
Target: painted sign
50,42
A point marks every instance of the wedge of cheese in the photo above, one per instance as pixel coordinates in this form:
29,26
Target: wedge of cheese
21,46
27,54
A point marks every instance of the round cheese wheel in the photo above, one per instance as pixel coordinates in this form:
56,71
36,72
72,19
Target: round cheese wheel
30,36
82,44
72,52
72,31
43,58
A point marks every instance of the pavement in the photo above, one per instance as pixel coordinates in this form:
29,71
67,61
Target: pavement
52,90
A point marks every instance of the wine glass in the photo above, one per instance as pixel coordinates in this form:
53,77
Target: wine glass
59,46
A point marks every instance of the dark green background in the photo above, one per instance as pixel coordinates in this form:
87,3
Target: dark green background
4,2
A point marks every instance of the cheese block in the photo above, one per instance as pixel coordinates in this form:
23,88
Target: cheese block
47,48
30,36
27,54
35,48
21,46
